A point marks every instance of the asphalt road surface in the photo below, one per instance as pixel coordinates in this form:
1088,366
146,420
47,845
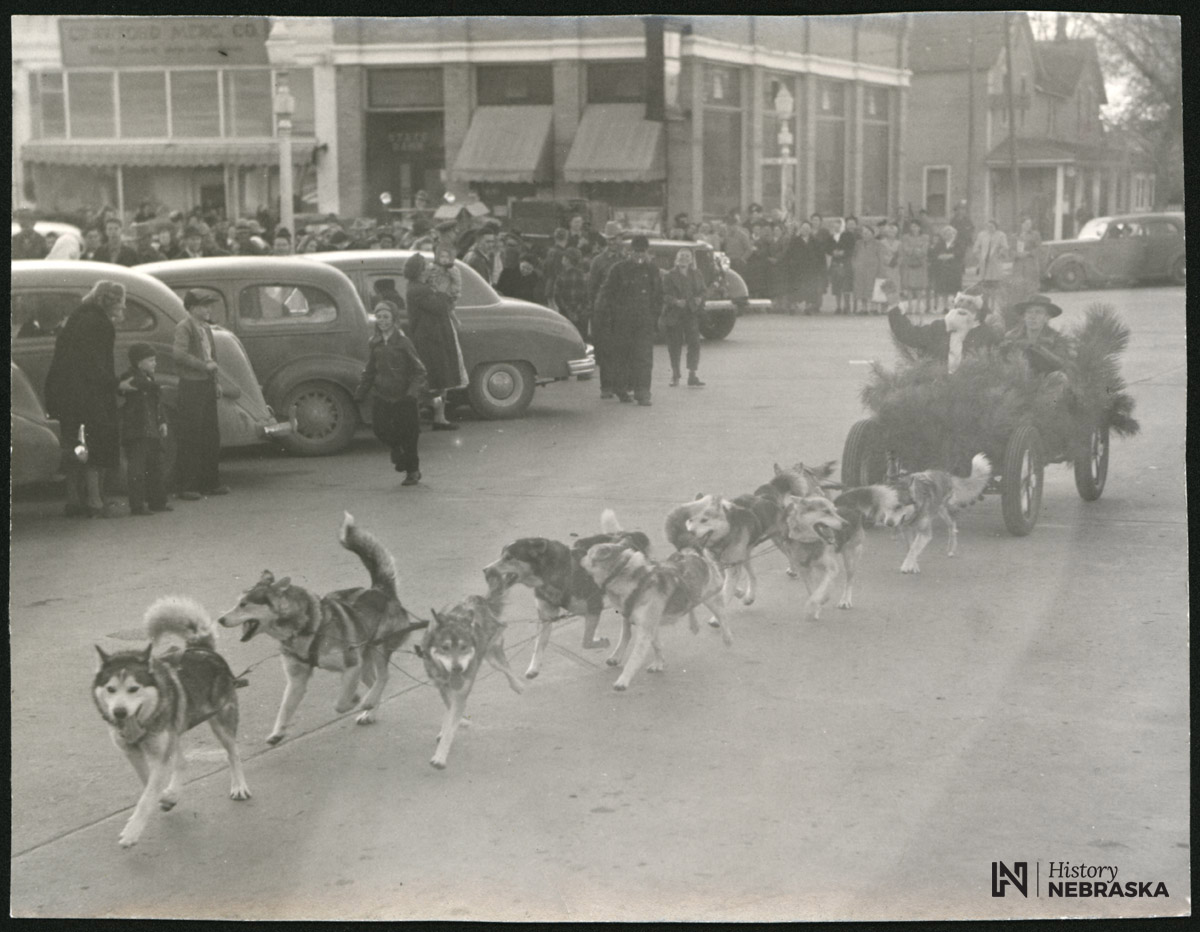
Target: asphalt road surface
1026,701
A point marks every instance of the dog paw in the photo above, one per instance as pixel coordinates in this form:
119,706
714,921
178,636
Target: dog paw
167,803
275,737
611,661
657,667
128,838
437,764
748,600
531,674
619,687
714,623
792,574
240,793
844,604
366,717
596,642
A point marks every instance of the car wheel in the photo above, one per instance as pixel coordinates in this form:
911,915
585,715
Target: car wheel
326,418
717,325
501,389
1179,271
1070,277
1091,470
1021,481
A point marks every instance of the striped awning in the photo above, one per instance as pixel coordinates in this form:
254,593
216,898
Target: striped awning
183,154
506,144
615,142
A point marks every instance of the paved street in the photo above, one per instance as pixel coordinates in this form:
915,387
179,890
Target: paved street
1024,701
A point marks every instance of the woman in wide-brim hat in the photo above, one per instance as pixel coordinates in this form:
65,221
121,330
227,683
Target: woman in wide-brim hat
1046,349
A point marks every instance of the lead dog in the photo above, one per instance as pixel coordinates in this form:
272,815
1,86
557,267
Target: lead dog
824,539
350,631
559,583
732,528
650,594
149,698
455,645
913,501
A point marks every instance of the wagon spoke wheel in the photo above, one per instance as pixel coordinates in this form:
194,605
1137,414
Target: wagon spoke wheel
864,461
1091,470
1021,481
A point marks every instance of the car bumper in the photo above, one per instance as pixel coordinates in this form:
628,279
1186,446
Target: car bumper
583,369
746,306
276,429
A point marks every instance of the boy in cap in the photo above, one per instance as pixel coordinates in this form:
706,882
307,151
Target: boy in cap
143,428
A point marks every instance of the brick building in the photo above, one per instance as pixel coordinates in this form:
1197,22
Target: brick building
693,113
958,126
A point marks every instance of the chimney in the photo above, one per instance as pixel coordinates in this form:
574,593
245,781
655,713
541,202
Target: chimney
1060,30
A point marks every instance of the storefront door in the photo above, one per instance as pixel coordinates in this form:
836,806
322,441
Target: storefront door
405,154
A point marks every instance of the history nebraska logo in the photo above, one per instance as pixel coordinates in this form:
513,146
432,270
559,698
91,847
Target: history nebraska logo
1067,880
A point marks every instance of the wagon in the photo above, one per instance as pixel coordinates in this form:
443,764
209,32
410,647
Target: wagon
923,417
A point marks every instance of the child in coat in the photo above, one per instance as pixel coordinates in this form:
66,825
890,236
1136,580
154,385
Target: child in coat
143,429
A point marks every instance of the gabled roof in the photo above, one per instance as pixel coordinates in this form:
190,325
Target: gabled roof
1042,150
1061,62
941,41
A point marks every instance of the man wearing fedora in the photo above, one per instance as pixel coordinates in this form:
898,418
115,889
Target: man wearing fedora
27,243
1048,351
612,253
198,434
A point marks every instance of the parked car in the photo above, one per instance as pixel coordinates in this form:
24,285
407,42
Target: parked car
508,346
33,437
44,292
727,295
49,226
304,329
1129,247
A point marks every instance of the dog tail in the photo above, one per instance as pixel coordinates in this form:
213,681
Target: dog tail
373,554
970,490
182,617
608,522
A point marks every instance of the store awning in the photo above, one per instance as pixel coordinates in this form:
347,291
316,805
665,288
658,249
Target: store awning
615,142
183,154
506,144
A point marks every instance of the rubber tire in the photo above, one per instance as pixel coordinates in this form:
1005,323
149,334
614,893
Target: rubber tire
1091,473
717,325
864,461
1024,448
1070,276
1179,271
337,413
485,397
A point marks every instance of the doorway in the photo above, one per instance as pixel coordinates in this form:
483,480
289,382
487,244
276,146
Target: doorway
405,154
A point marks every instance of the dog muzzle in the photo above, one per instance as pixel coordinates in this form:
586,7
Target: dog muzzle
826,533
249,629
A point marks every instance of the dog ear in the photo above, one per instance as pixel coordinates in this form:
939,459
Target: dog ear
699,495
434,618
778,471
266,578
103,656
146,652
283,584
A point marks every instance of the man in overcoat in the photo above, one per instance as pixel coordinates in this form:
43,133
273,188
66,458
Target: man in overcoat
632,299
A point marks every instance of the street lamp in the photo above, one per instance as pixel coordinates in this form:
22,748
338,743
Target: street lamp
284,105
784,107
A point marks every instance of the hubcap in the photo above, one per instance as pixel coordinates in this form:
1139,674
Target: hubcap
501,384
316,415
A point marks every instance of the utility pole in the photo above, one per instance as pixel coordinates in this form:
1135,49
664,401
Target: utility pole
1012,120
970,112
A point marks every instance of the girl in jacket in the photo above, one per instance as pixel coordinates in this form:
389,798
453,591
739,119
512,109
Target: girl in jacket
683,300
393,380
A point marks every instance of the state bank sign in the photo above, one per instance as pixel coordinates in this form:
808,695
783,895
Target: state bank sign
133,41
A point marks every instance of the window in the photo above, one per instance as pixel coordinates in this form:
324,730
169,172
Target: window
49,110
831,99
1159,228
505,85
41,314
138,317
218,313
90,96
722,86
830,157
616,82
193,100
248,110
388,286
937,187
404,88
876,144
143,103
722,160
264,305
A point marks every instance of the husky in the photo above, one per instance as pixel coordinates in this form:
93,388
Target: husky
560,585
732,528
350,631
150,697
650,594
911,502
824,539
455,645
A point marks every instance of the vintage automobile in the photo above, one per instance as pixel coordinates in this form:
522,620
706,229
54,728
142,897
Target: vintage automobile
33,436
727,293
44,292
508,346
1125,248
45,227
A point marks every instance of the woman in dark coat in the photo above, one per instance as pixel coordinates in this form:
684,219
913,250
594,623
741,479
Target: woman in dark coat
431,328
947,256
81,391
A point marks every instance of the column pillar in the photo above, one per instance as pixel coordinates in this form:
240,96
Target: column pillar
855,181
325,130
809,134
696,210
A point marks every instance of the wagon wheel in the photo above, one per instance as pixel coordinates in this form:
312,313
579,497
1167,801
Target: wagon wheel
1091,470
864,461
1021,481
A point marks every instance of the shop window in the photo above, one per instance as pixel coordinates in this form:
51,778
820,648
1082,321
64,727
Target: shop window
614,82
831,99
143,103
830,167
722,86
722,160
937,187
265,305
300,81
194,110
404,89
248,110
875,164
506,85
876,103
49,109
90,100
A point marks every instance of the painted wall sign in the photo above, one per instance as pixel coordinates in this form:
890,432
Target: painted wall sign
128,41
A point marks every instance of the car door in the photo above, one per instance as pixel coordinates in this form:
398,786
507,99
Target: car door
278,322
1119,255
1163,243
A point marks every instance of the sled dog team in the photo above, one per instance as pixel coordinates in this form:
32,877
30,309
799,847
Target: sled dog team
150,697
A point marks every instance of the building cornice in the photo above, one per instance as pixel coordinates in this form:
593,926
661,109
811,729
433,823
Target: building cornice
477,52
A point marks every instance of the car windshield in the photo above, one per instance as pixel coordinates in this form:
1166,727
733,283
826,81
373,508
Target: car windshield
1093,229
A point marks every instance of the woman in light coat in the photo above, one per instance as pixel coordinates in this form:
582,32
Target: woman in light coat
867,265
914,264
991,252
